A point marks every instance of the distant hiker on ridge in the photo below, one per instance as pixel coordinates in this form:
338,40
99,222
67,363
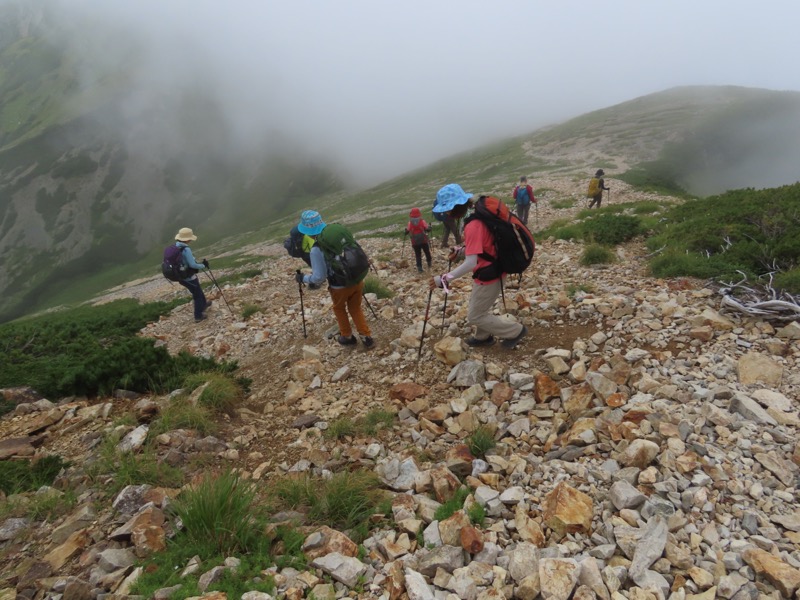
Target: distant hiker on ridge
184,261
596,186
337,257
523,195
479,244
418,228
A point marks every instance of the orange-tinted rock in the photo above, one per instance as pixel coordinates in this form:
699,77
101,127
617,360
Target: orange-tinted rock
471,539
444,483
501,393
616,399
567,510
450,528
75,543
149,539
459,460
325,541
784,577
581,399
544,388
407,391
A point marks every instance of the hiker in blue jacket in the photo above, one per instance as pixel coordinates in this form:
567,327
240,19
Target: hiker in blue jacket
183,238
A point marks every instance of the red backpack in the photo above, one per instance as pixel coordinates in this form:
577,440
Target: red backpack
418,232
513,241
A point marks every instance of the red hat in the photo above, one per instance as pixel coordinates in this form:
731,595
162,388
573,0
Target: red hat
415,213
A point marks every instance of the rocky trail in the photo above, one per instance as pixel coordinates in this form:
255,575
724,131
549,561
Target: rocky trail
646,441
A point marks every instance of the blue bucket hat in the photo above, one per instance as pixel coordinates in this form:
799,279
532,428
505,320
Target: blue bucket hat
310,223
450,196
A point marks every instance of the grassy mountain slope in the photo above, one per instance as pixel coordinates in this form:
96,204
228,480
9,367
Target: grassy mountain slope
91,188
95,173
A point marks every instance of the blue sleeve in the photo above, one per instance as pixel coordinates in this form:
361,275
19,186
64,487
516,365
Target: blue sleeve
319,270
190,261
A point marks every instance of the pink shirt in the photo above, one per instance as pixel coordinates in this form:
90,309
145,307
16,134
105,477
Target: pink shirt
479,240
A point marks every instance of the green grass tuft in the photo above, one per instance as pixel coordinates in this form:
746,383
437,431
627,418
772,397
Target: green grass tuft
221,514
481,441
17,476
595,254
375,286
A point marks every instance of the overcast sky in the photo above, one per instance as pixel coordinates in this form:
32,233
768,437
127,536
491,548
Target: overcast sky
390,86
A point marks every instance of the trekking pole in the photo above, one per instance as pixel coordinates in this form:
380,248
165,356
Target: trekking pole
537,216
424,323
444,308
214,280
502,293
369,305
403,251
302,308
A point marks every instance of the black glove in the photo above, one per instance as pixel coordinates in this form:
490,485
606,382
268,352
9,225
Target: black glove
298,277
205,263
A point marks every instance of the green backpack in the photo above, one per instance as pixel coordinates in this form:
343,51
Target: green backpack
348,264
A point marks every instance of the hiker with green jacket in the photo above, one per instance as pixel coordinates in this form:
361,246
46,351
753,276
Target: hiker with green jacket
346,298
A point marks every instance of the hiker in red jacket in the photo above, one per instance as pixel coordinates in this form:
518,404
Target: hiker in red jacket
523,195
418,229
456,202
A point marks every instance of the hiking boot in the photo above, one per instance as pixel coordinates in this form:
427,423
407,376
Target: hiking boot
347,341
512,343
367,341
198,319
208,305
473,341
419,269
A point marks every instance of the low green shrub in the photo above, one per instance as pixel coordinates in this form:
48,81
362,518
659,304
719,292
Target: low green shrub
17,476
753,231
788,281
221,394
375,420
560,204
91,351
341,428
248,310
595,254
182,414
569,232
481,441
6,406
610,229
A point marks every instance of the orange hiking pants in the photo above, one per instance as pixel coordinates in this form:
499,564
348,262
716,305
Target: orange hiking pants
349,300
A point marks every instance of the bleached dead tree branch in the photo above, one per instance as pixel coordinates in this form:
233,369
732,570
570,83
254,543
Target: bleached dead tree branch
759,300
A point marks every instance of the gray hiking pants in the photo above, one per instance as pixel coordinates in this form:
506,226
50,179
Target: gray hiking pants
480,314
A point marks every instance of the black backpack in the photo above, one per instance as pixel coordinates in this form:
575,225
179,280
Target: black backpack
173,267
294,245
347,262
513,241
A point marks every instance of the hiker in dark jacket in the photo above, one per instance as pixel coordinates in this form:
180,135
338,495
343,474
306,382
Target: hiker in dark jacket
418,229
601,185
345,299
183,238
479,242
